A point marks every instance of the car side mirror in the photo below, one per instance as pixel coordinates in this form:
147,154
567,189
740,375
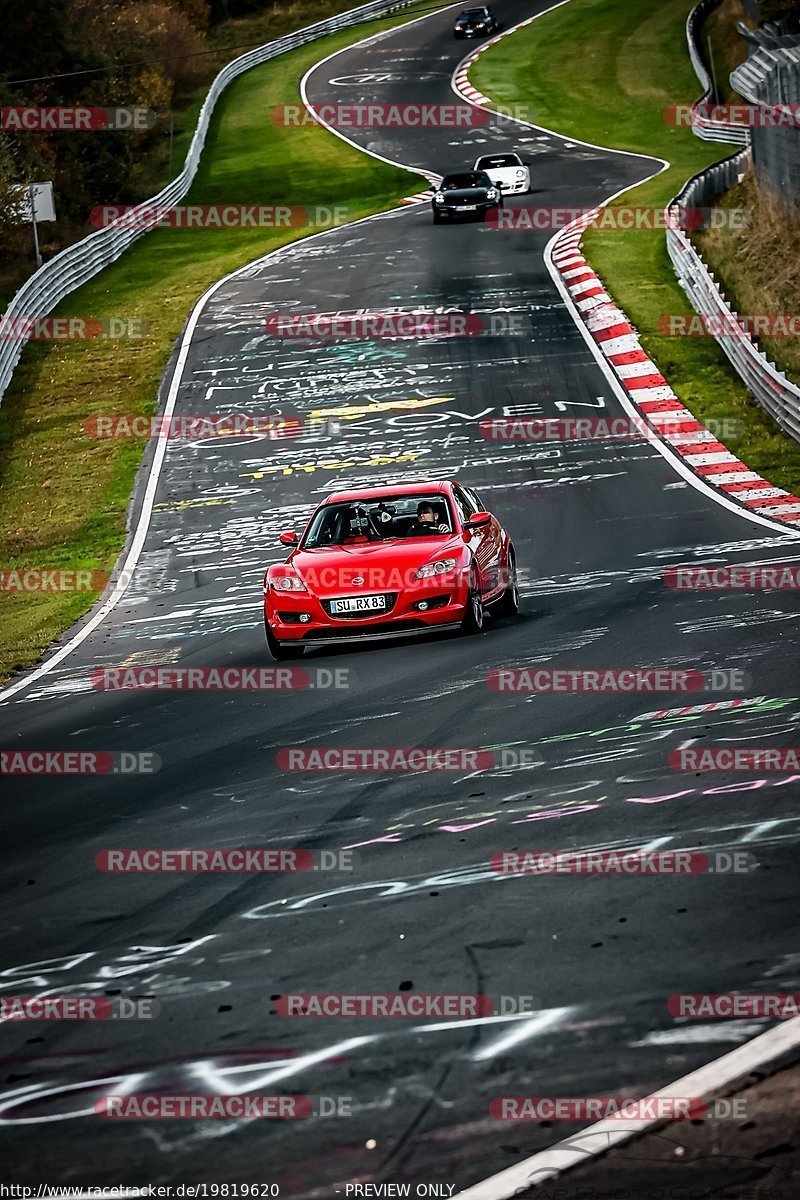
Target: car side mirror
288,538
478,520
497,183
525,162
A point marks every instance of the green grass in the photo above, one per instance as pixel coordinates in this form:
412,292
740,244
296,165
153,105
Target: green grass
63,496
728,46
605,71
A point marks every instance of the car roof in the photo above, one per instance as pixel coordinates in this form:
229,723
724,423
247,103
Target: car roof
376,493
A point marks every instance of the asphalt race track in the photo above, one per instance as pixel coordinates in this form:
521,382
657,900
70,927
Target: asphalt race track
595,525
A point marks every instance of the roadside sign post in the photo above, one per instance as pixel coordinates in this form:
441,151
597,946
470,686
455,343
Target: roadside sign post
35,228
34,203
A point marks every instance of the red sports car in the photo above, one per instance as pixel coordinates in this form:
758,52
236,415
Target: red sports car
388,562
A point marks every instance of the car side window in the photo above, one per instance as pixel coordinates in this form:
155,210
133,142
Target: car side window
474,500
462,507
465,501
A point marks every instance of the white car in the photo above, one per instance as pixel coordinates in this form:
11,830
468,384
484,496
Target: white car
508,171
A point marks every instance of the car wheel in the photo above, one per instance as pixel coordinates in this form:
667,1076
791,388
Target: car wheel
508,604
472,621
437,220
280,651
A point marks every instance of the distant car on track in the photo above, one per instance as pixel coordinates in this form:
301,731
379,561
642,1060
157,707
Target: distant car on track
475,22
388,562
467,194
508,171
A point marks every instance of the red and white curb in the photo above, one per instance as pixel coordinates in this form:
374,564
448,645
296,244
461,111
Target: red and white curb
650,393
461,78
419,197
647,389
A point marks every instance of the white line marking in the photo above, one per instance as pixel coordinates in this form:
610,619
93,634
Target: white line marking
536,1025
757,830
708,1081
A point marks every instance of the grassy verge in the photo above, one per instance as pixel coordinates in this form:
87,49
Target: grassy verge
604,71
64,496
728,47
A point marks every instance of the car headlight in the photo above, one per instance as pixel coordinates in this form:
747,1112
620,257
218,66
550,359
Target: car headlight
521,173
288,583
492,194
440,567
439,198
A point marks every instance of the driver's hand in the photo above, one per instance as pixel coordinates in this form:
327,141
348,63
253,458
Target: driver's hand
442,528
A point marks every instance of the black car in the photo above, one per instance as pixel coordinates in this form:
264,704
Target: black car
475,22
468,194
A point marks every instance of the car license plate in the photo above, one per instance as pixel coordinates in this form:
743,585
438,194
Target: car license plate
468,207
358,604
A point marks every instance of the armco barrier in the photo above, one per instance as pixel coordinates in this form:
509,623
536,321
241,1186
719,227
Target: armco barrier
774,392
80,262
705,127
770,388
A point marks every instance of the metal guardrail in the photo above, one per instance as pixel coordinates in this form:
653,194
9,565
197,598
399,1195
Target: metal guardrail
707,128
776,394
80,262
771,76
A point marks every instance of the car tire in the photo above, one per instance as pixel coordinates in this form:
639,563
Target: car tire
508,604
280,651
437,220
473,619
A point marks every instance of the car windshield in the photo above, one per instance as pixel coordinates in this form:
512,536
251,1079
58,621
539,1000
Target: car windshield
390,518
472,179
474,13
498,160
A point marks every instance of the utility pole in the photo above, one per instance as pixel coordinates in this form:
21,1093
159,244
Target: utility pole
33,222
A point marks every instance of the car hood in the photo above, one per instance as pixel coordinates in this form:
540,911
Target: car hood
464,22
464,195
384,566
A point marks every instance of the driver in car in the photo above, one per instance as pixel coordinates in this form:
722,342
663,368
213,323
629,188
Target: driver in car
428,520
